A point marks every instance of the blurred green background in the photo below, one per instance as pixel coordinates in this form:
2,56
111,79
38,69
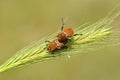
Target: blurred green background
25,21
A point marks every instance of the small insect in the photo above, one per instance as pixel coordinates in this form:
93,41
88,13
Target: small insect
54,45
65,33
61,39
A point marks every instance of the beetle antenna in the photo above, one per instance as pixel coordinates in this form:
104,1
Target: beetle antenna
62,24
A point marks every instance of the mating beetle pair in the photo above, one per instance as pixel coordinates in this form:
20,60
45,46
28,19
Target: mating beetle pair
61,39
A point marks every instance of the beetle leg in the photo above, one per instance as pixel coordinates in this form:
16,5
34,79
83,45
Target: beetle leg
69,38
77,34
65,47
47,41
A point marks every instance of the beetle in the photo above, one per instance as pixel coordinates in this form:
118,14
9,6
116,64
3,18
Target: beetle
65,33
54,44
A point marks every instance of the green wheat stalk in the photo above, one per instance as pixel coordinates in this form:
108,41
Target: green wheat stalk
99,34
